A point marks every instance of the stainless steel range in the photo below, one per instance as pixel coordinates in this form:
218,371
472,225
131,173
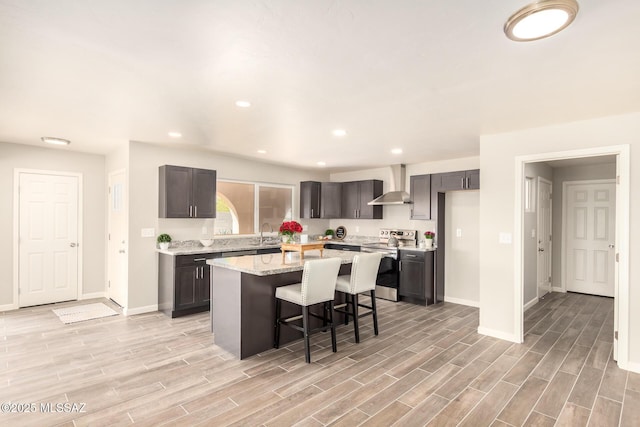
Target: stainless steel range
388,243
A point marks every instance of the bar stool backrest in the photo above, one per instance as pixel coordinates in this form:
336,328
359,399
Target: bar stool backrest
364,272
319,280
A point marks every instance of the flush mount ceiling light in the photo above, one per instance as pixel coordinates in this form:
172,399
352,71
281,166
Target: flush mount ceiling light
396,151
55,141
540,19
175,134
339,132
262,151
321,164
243,104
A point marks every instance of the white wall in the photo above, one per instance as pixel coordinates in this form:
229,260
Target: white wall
144,160
530,241
92,168
462,253
571,173
497,211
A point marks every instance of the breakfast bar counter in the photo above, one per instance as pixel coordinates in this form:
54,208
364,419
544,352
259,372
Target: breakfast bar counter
243,298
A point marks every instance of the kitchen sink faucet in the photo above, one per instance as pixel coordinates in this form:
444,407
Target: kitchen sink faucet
262,229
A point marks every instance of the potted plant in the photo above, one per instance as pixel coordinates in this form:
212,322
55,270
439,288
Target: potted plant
288,229
428,236
164,240
329,233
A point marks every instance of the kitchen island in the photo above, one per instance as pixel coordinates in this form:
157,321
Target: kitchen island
243,298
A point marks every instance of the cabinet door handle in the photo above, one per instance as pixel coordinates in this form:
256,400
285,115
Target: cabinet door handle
311,212
462,182
468,182
195,209
190,211
197,269
400,266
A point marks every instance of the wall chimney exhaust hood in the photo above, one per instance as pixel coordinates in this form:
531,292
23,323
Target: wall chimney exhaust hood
397,195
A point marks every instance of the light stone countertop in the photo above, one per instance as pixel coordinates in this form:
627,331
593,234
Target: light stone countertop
418,249
268,264
194,250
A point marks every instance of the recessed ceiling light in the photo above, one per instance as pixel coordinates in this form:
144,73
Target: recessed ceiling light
55,141
175,134
262,151
321,164
243,104
541,19
396,151
339,132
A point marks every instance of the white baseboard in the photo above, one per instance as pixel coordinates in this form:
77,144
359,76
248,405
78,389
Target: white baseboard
498,334
632,366
8,307
93,295
558,289
462,301
530,304
140,310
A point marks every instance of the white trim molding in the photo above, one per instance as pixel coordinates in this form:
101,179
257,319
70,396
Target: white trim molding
501,335
93,295
139,310
462,301
8,307
530,304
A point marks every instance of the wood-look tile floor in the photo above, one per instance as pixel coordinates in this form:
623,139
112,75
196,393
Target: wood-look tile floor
428,366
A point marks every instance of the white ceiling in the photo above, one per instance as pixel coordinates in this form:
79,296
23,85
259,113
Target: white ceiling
426,76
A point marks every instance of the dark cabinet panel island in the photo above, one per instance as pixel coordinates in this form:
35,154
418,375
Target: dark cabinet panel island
243,298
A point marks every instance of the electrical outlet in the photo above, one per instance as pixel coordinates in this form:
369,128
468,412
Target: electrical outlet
505,238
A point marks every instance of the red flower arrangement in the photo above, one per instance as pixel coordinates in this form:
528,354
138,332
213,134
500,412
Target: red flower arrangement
429,234
289,228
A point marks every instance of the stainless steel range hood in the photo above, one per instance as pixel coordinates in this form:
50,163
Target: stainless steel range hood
397,195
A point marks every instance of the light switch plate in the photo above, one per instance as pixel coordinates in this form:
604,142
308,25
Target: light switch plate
148,232
458,232
505,238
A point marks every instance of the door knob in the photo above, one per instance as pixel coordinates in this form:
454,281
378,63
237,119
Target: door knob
121,251
611,246
73,245
540,249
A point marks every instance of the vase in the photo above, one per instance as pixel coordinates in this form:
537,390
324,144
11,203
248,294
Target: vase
428,243
287,238
164,246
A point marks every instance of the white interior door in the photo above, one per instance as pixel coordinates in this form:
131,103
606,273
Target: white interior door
544,237
590,237
117,239
48,238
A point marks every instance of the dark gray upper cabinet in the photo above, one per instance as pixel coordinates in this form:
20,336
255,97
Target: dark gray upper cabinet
330,200
420,196
309,199
356,195
460,180
186,192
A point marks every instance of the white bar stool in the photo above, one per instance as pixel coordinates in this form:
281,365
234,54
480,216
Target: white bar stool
318,286
364,272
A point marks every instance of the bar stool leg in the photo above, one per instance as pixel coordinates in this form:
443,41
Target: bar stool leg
305,327
355,316
346,309
374,311
334,345
276,338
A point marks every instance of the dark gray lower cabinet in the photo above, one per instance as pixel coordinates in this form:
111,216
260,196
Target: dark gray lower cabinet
416,277
184,284
342,247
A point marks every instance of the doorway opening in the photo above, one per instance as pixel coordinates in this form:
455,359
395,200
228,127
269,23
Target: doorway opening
589,240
